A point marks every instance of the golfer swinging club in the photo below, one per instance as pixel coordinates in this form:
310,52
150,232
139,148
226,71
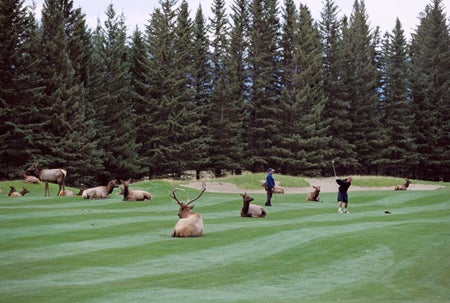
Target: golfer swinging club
342,197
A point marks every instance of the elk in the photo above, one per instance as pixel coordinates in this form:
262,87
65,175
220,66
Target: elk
403,186
56,175
12,189
17,193
190,224
30,179
251,210
278,190
314,195
66,193
275,190
99,192
134,194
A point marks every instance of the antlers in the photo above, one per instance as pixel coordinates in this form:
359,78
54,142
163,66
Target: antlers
174,197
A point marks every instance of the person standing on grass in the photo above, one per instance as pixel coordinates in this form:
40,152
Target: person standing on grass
342,197
270,184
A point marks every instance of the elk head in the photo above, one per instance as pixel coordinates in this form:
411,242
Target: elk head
185,207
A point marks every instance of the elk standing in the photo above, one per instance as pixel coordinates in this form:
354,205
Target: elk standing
190,224
314,195
251,210
56,175
134,194
99,192
403,186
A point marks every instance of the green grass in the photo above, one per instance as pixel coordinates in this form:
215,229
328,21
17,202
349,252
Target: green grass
66,249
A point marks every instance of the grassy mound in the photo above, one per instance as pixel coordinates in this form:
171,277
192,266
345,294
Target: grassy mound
66,249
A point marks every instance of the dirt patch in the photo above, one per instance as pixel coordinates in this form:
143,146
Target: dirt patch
327,185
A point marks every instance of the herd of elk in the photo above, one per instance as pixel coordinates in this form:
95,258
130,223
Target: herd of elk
134,194
251,210
403,186
14,193
56,175
314,195
190,224
99,192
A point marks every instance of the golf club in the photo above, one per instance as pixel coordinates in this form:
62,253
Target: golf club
334,169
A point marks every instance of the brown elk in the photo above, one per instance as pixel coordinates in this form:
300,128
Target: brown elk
30,179
12,189
403,186
17,193
251,210
314,195
275,190
99,192
56,175
66,193
134,194
190,224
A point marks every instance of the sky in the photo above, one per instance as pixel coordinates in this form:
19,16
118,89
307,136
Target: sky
382,13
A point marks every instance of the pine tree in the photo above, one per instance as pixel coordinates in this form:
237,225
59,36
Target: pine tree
66,138
288,161
304,128
264,68
201,77
20,86
360,80
398,156
160,80
139,68
226,102
114,111
430,93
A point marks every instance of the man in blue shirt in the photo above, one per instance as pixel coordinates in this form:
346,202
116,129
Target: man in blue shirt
270,184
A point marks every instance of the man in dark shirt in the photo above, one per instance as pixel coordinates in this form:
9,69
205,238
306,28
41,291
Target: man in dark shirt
270,184
342,197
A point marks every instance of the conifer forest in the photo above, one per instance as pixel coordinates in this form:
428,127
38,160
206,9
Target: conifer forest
259,84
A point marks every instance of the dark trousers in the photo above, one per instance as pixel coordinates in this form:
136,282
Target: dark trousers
269,196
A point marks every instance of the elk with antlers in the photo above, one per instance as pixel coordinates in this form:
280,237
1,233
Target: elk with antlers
251,210
190,224
403,186
56,175
314,195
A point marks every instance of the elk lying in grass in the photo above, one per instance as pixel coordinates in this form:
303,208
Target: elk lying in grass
14,193
30,179
278,190
275,190
56,175
12,189
251,210
314,195
66,193
134,194
99,192
190,224
403,186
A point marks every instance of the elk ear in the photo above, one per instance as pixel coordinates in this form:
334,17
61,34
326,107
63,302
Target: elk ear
191,206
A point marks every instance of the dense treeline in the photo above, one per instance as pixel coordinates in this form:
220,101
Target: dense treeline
265,85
